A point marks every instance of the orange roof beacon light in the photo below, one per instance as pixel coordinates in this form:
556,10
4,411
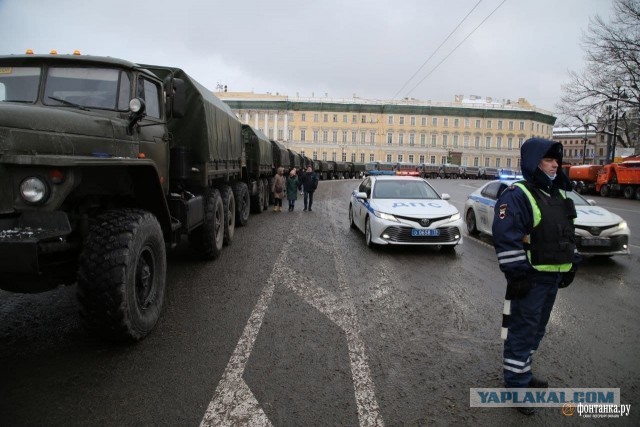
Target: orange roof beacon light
29,52
76,52
53,52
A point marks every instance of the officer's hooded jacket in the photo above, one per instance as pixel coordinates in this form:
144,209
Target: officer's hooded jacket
514,215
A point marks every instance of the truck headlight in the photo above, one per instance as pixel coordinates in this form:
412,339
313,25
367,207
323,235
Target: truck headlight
33,190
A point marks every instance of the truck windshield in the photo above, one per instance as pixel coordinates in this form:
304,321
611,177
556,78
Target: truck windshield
19,84
105,88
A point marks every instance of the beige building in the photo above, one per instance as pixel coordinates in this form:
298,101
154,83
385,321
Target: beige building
469,132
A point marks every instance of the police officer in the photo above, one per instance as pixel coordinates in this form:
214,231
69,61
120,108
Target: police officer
534,240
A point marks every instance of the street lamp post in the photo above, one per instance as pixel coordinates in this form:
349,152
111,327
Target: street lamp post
584,149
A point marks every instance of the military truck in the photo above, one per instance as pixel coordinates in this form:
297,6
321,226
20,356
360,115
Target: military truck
104,164
259,167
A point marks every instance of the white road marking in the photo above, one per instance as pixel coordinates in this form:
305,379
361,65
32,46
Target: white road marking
233,402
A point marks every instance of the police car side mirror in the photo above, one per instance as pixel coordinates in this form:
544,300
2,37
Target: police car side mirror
445,196
591,202
361,195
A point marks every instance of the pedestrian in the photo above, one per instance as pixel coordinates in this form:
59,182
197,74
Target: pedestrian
292,189
278,190
309,185
533,235
301,178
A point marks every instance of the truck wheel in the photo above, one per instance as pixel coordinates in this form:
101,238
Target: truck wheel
243,203
580,187
257,200
265,185
604,190
229,205
638,193
122,275
208,238
628,192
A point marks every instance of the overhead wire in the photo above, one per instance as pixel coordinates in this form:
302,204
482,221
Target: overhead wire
455,48
435,51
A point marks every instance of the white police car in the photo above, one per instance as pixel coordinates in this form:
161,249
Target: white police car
598,231
404,210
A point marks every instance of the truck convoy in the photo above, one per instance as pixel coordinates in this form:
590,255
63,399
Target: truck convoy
104,164
614,179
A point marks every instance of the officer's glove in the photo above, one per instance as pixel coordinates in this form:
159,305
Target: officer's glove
517,288
567,279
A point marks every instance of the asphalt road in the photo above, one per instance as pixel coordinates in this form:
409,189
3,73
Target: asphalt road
298,323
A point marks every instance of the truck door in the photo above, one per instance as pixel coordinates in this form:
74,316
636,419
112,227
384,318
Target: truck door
152,128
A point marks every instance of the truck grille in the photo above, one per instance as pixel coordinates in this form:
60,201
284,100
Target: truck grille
403,235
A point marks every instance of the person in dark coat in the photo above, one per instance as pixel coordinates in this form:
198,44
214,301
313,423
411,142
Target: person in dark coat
534,239
292,187
309,185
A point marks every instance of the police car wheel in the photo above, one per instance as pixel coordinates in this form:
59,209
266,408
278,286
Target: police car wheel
470,220
351,223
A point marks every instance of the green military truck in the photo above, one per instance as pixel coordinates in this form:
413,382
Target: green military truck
104,164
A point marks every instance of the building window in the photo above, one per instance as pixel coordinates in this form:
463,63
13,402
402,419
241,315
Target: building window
316,117
520,142
413,121
335,118
390,120
372,138
325,118
270,133
423,139
400,158
445,122
489,124
315,136
354,137
434,121
412,139
324,155
424,121
510,143
325,136
499,124
443,159
372,157
344,136
280,134
476,161
421,158
303,135
315,155
433,160
290,117
486,162
303,117
499,143
467,123
488,142
510,124
363,119
455,141
410,158
478,124
521,125
362,135
388,158
476,142
401,139
389,138
456,123
509,162
353,157
401,120
335,136
290,134
465,141
344,118
497,162
354,118
434,139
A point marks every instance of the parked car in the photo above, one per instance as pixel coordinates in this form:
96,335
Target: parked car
598,231
405,210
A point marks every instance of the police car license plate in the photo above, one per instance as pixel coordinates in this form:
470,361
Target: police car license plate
596,242
429,232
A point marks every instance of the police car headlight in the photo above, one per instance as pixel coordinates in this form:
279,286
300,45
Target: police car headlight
386,216
455,217
622,226
33,190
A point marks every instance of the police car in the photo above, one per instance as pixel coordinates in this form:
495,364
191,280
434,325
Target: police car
598,231
392,210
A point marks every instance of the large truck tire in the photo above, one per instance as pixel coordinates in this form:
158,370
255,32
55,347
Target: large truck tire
122,275
265,185
604,190
243,203
229,205
257,199
628,192
638,192
208,238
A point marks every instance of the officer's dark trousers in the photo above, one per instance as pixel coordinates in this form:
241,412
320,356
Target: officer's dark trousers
526,327
308,199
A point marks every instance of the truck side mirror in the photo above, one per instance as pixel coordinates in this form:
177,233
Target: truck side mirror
179,95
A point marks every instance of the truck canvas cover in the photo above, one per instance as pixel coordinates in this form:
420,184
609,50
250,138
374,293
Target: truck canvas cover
258,148
209,127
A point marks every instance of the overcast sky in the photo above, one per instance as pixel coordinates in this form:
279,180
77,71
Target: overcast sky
339,47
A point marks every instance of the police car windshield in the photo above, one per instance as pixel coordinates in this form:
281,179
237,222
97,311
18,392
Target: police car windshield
578,200
403,190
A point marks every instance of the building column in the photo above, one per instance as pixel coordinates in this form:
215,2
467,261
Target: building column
286,126
275,128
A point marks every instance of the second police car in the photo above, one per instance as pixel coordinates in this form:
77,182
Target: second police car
404,210
598,231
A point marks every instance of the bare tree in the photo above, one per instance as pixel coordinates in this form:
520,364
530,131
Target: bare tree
611,74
